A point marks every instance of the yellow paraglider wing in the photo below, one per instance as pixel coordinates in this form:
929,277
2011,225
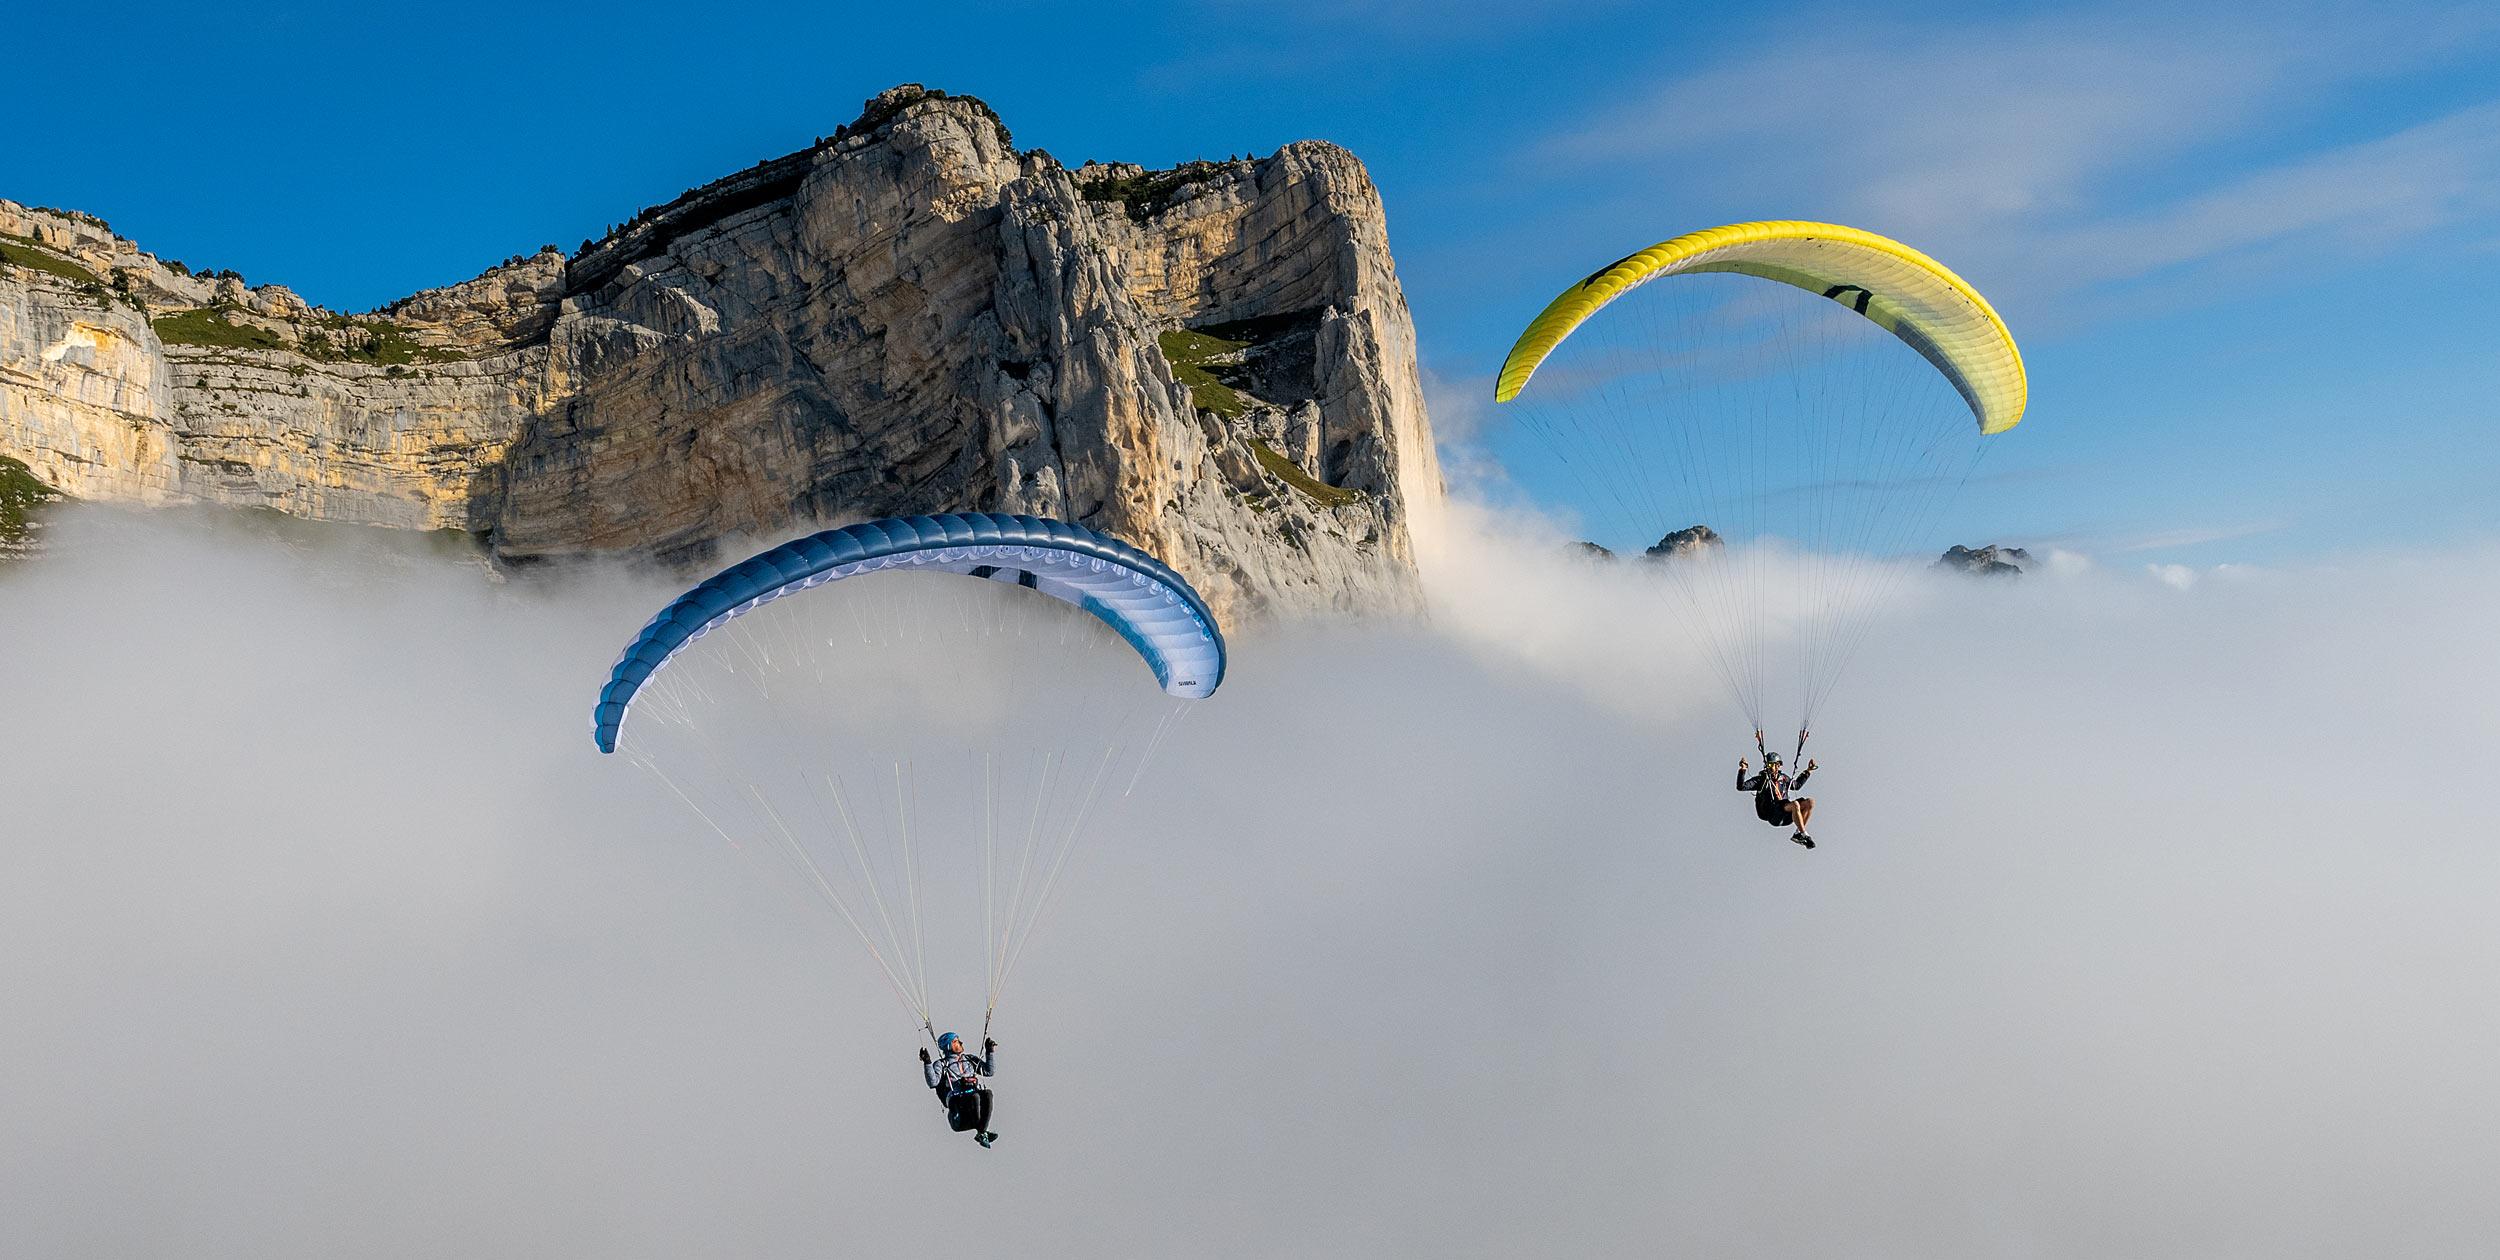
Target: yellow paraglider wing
1905,292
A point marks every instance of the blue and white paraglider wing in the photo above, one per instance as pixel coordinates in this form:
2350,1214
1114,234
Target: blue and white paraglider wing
1152,607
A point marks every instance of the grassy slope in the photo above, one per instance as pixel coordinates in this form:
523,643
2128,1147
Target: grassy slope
206,326
20,494
1291,474
383,343
1189,353
21,252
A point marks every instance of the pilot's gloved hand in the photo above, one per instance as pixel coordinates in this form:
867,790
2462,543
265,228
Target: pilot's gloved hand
988,1046
924,1054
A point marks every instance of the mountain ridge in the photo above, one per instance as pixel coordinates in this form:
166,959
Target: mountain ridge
908,316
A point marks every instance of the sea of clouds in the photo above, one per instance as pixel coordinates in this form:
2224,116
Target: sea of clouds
2152,916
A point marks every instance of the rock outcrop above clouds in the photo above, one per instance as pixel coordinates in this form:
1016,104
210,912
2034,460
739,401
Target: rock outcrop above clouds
1694,540
1214,362
1988,561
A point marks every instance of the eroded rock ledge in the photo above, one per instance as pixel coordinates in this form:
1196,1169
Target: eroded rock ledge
911,315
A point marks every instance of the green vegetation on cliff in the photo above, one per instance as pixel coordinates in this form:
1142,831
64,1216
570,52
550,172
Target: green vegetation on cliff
337,339
1149,192
20,494
1192,356
344,340
1291,474
207,326
23,252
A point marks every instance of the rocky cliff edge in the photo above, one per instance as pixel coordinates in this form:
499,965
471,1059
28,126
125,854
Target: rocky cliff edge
1214,362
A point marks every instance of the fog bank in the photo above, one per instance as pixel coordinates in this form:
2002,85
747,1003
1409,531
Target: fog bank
2151,918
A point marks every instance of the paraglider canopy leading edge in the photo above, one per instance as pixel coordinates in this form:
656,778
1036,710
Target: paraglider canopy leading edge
1153,608
1906,293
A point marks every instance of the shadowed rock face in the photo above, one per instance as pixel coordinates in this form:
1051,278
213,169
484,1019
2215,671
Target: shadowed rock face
910,316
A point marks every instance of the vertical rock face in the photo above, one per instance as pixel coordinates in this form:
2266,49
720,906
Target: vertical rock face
85,397
1215,363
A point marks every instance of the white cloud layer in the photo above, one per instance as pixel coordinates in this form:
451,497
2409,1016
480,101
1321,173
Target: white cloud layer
2147,921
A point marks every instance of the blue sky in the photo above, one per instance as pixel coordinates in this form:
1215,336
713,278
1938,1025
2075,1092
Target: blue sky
2248,249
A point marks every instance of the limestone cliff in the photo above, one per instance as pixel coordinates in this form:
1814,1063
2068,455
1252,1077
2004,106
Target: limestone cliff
1215,363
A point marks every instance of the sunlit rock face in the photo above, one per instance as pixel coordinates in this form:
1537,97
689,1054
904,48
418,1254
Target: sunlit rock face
1215,363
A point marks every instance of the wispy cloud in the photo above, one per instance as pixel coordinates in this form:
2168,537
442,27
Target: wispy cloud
2194,536
2440,173
2065,151
1926,128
